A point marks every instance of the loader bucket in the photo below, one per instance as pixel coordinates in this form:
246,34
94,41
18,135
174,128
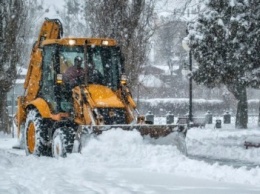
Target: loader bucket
156,134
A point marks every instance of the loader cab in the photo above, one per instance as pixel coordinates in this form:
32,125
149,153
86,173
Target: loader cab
102,64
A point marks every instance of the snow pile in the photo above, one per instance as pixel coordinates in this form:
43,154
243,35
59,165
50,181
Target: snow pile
123,162
224,143
116,147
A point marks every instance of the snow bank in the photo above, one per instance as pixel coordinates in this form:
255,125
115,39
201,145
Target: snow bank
118,148
122,161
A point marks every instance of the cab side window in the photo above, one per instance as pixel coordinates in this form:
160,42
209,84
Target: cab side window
48,77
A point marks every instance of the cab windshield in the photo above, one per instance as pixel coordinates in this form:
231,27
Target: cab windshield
67,54
103,63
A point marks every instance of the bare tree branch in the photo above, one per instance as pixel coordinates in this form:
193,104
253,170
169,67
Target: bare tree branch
131,23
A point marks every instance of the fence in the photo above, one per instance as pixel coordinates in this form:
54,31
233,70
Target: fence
201,121
180,106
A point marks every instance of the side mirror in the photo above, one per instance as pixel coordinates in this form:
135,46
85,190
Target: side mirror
59,79
123,79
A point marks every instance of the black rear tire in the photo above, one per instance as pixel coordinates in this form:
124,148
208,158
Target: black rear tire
62,142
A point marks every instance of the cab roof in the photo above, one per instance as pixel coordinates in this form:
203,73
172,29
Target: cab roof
81,41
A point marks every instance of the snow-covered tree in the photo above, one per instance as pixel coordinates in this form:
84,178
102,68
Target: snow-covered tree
225,43
29,29
12,17
130,22
17,30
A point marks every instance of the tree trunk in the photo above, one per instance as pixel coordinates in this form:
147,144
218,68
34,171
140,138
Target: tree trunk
259,115
4,124
239,91
242,111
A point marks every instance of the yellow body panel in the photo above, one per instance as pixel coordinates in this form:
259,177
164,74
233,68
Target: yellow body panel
104,97
83,111
51,29
87,115
32,81
42,107
131,101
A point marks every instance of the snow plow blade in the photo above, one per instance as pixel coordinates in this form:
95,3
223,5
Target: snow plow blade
154,131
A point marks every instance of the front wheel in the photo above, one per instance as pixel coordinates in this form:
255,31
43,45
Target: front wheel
35,135
62,142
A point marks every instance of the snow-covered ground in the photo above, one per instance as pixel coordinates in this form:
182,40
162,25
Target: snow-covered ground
119,162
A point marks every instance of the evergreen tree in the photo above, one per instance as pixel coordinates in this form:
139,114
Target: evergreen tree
225,43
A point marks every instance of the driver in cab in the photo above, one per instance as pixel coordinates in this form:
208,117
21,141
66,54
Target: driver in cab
75,74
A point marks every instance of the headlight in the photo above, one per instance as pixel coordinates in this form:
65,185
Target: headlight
72,42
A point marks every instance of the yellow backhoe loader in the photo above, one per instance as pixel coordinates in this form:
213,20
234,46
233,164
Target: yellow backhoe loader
58,111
